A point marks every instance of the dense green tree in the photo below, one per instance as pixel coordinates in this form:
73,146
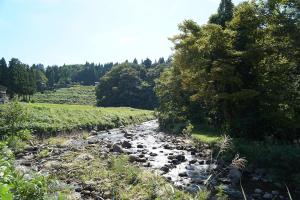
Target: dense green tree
242,77
147,62
161,60
21,79
3,73
129,84
40,77
52,76
224,14
135,61
91,73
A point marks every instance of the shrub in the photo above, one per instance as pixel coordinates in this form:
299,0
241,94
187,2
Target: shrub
12,117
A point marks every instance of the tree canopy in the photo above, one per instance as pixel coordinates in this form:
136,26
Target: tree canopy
129,84
241,76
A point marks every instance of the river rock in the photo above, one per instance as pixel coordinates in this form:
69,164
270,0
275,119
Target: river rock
183,174
94,132
127,134
234,175
153,154
89,185
258,191
167,146
84,156
107,194
52,164
116,148
225,180
126,144
192,161
147,164
140,146
180,158
31,148
132,158
190,167
267,196
193,188
141,160
175,161
234,193
165,168
93,141
201,162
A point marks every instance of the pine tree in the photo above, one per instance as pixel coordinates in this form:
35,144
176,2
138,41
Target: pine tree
147,63
224,14
135,61
3,73
161,60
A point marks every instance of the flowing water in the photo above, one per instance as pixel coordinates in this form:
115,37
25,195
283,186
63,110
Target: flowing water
174,157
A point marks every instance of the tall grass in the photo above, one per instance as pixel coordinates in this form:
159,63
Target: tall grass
50,118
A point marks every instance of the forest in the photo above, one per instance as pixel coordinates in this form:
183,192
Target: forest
219,119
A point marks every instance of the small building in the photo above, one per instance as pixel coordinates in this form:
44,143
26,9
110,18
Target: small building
2,94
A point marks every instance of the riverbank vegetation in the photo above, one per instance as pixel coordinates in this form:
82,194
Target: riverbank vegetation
52,118
15,184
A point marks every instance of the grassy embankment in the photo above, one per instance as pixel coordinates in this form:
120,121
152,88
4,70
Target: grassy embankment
81,95
277,158
50,118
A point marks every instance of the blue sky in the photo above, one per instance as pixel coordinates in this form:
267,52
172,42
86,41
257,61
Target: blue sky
75,31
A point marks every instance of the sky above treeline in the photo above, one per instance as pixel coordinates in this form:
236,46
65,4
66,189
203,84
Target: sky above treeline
75,31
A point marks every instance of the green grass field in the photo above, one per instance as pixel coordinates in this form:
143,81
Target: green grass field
82,95
50,118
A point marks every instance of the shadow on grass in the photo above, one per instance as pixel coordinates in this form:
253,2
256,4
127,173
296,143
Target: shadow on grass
206,135
281,161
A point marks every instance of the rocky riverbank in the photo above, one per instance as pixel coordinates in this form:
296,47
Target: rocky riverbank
175,158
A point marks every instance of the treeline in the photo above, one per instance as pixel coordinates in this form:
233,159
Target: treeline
239,72
131,84
86,74
24,80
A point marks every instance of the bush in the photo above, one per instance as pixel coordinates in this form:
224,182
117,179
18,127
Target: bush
12,117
